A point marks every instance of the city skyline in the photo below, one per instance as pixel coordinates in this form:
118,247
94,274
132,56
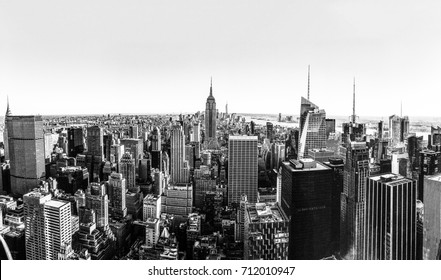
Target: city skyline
66,54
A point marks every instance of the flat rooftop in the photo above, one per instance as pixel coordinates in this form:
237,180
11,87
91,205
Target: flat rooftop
436,177
56,203
265,213
243,137
295,165
391,179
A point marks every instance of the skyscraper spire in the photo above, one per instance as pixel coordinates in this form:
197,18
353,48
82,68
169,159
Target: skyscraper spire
211,86
8,110
308,81
401,109
354,117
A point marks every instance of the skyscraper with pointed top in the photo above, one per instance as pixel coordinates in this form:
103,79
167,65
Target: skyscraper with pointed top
210,119
352,130
5,131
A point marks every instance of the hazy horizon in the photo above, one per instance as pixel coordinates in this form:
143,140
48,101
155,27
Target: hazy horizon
68,57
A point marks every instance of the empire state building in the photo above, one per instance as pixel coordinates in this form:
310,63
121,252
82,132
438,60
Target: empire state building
210,120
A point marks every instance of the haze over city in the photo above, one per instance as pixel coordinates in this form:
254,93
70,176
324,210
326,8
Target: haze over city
82,57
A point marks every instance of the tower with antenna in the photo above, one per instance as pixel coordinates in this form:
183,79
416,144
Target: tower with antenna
353,117
308,79
352,130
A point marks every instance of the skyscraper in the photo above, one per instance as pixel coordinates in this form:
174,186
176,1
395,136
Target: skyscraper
179,169
5,131
242,168
48,225
390,231
312,127
352,130
269,131
75,140
156,139
307,201
210,119
118,195
95,142
127,169
352,216
432,218
196,132
398,129
26,152
97,200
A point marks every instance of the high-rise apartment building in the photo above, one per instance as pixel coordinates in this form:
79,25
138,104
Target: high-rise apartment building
242,168
151,232
48,225
25,139
352,216
432,218
391,219
307,202
151,207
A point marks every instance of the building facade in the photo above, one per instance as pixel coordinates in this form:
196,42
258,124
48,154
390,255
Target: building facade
242,168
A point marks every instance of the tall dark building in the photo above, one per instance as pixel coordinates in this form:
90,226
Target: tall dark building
337,165
352,216
430,164
210,116
269,131
380,130
391,219
95,143
307,200
107,144
26,152
156,139
75,141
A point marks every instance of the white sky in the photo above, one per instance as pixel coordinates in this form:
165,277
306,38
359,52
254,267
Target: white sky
142,56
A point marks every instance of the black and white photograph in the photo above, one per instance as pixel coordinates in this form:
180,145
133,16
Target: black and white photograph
289,132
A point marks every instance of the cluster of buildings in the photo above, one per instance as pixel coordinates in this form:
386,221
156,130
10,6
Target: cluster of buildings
213,186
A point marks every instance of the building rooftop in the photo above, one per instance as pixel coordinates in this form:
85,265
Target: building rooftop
305,164
243,137
391,179
56,203
265,213
436,177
